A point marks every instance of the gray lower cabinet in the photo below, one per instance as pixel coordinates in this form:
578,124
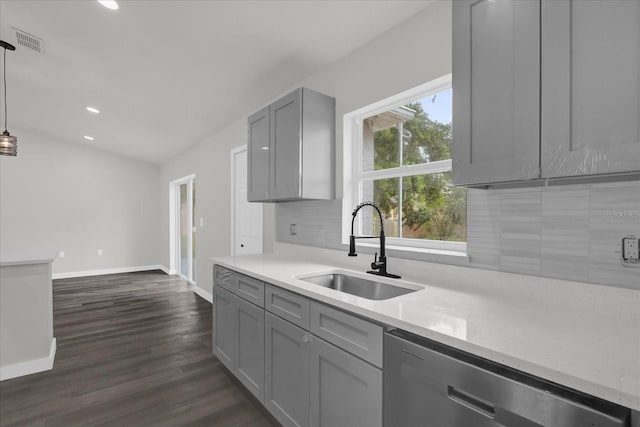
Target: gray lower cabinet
301,378
225,313
250,347
345,391
286,371
238,339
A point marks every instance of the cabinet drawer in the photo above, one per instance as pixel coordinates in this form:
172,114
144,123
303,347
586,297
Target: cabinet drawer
357,336
249,289
289,306
223,277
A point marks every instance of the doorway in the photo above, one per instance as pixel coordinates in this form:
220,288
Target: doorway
246,218
183,230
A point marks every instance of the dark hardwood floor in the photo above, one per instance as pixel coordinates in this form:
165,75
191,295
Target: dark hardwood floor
133,350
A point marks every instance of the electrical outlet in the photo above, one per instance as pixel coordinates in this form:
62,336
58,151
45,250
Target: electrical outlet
292,229
60,254
631,251
99,252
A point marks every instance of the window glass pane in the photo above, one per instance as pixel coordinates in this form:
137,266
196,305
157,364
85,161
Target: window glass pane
427,135
433,209
385,194
380,142
184,228
193,232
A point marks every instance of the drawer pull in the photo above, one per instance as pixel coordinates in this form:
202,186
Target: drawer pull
471,402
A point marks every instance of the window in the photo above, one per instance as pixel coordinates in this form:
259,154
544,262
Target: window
398,155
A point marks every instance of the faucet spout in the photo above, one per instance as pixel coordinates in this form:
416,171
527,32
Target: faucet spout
379,264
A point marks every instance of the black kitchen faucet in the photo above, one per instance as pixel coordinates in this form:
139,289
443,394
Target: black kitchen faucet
379,264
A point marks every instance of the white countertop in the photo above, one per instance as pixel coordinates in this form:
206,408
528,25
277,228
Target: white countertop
26,259
583,336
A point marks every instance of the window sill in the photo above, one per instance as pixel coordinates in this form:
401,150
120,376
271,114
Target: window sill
443,256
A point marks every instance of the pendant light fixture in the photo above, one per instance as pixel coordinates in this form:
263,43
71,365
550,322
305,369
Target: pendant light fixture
8,143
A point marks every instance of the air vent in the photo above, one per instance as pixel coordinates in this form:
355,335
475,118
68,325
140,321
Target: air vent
29,41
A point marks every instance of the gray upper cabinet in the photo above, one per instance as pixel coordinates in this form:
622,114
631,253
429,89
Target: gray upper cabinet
590,87
545,89
285,150
258,155
496,96
292,149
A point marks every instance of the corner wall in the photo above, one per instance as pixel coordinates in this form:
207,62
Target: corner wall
568,232
61,196
210,161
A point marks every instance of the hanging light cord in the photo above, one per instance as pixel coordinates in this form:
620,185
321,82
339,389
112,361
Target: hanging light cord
4,75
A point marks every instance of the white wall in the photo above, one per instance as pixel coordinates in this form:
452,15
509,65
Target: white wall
210,161
408,55
64,196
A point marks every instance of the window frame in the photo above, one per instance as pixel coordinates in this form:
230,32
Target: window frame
353,175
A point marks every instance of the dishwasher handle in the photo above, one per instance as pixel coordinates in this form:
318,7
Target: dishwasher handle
471,402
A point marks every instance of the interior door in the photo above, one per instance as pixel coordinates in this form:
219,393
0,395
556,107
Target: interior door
186,189
246,217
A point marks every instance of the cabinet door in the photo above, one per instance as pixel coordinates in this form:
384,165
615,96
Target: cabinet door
590,87
250,350
496,91
225,312
286,371
285,149
345,391
258,156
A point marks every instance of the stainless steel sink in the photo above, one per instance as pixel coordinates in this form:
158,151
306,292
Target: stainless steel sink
364,288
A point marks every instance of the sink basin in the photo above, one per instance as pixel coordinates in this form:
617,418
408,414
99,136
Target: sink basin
364,288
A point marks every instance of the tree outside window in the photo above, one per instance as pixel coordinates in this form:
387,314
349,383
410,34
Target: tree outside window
406,164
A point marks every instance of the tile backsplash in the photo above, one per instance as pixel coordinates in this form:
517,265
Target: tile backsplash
569,232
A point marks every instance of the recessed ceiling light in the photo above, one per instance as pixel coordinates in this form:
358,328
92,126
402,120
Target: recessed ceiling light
93,110
109,4
89,138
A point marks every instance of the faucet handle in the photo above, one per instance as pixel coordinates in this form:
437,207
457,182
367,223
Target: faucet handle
375,265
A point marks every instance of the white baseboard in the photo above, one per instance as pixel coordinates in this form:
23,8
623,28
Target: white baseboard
30,367
165,269
203,294
85,273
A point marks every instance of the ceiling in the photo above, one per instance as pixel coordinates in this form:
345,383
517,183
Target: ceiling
166,74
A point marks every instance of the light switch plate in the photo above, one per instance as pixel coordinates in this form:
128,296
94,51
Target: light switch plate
631,251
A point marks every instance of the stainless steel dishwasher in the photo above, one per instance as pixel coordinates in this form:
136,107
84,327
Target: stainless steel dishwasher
431,385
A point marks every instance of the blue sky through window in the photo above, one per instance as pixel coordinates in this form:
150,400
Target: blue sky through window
440,109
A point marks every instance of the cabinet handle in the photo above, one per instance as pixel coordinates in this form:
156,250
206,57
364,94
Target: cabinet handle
471,402
306,338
